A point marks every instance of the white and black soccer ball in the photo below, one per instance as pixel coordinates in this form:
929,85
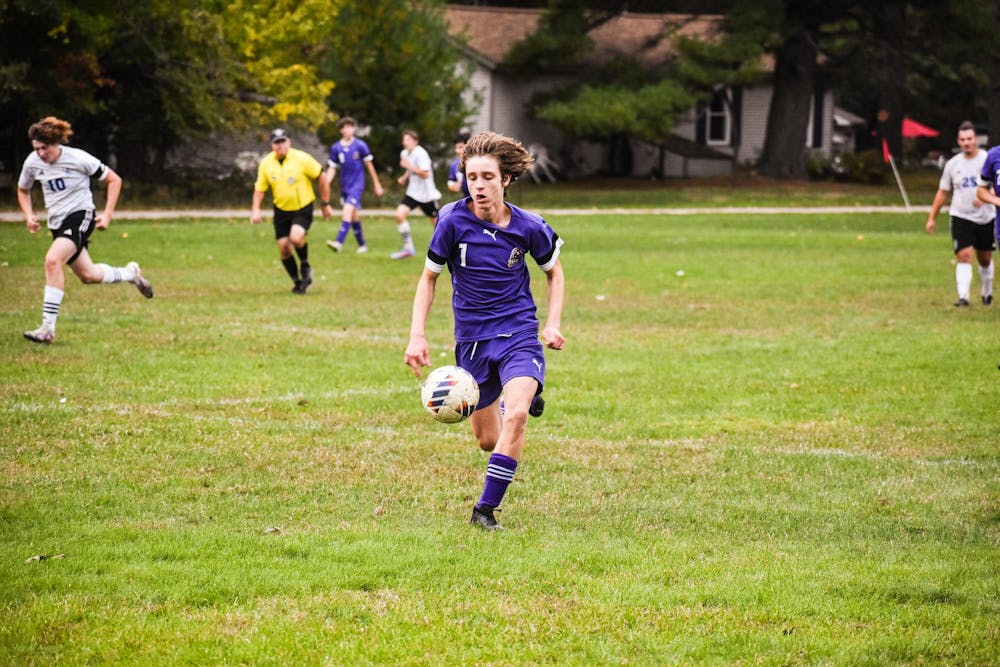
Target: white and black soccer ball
450,394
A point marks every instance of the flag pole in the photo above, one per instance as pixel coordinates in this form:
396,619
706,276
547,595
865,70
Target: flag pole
899,181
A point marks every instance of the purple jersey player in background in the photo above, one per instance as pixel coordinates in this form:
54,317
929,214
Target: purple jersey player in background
484,242
456,180
352,157
989,185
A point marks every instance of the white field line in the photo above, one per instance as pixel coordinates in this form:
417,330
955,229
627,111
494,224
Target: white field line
187,403
14,216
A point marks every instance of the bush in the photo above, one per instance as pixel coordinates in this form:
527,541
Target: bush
866,167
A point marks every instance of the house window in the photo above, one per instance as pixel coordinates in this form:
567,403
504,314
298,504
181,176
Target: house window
717,122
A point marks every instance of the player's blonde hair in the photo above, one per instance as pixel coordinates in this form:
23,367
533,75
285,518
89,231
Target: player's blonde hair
513,158
51,130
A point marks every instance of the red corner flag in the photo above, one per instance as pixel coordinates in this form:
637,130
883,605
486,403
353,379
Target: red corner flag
886,156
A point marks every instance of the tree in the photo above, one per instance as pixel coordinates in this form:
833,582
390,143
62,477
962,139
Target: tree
135,79
794,86
395,68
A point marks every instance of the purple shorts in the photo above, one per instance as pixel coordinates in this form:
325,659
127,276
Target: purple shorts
496,361
352,198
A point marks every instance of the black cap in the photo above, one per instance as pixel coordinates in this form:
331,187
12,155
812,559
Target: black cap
279,135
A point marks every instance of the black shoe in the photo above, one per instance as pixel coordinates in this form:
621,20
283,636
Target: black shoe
307,277
298,289
483,517
537,406
961,303
988,300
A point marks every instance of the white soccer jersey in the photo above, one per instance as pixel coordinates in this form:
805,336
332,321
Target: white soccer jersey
421,189
961,177
65,183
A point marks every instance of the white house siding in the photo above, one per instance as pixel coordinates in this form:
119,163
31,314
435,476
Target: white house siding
756,104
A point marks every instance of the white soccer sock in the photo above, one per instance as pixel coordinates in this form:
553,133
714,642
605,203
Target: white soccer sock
986,279
50,307
404,233
116,274
963,279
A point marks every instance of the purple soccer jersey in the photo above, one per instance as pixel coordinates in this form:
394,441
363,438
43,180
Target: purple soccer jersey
991,176
490,280
455,176
350,161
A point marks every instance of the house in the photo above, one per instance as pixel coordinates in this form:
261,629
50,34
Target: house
704,142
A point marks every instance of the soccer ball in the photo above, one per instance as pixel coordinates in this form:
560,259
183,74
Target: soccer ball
450,394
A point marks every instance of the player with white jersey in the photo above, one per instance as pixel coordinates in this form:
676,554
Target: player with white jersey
485,243
971,219
64,174
418,176
352,157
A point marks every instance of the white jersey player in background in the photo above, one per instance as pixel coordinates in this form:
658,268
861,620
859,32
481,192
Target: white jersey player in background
971,219
64,174
418,177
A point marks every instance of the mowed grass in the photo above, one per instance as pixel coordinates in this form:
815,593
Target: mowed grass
770,439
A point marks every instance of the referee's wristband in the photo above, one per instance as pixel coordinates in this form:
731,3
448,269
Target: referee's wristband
324,203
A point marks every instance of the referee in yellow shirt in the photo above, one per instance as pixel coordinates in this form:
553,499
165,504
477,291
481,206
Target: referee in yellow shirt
289,173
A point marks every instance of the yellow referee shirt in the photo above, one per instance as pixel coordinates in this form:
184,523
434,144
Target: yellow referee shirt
290,180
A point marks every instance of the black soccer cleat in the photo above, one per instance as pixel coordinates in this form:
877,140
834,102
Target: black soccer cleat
537,406
298,289
307,277
961,303
484,519
988,300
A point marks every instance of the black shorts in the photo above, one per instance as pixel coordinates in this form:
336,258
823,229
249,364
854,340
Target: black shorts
430,208
77,227
283,220
965,233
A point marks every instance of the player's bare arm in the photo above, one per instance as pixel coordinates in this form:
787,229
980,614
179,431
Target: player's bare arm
418,353
939,199
24,201
114,183
983,194
556,286
376,184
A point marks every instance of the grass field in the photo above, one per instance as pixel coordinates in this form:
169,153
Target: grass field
770,440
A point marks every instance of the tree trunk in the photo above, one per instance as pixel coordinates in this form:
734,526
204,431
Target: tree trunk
889,75
788,117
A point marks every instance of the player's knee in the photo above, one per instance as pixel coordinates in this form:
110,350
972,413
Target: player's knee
53,263
515,419
487,444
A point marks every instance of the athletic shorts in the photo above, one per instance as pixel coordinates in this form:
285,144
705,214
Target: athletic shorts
430,208
283,220
77,227
352,198
496,361
965,233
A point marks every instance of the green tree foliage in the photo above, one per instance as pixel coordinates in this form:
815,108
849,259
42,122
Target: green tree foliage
281,45
133,78
395,67
629,97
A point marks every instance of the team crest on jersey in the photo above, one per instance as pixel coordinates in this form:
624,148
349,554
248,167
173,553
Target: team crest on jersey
515,256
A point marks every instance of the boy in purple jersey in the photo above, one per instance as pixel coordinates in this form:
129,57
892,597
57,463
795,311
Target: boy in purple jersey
456,181
352,157
989,185
484,242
